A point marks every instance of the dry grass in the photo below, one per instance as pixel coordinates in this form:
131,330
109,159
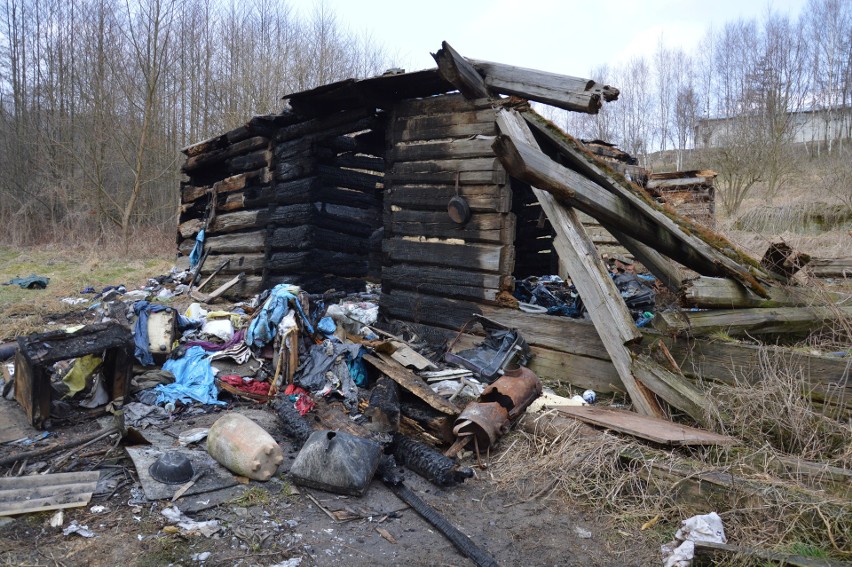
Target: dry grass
601,472
72,267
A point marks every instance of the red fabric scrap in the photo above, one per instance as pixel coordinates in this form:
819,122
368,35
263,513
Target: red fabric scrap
250,385
304,404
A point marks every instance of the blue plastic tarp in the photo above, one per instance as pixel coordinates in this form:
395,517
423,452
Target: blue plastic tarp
193,379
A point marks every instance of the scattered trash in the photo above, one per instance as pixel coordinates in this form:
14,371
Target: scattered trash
501,347
582,533
201,557
80,530
194,379
57,519
704,528
97,509
175,516
74,300
30,282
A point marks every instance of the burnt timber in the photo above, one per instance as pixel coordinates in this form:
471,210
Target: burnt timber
351,183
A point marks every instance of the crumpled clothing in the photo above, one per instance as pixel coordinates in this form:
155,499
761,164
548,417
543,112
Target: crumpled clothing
251,385
197,250
149,379
193,380
235,340
142,415
301,399
239,353
140,330
326,369
30,282
264,327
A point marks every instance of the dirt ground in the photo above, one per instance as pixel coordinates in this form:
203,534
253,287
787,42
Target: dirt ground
270,523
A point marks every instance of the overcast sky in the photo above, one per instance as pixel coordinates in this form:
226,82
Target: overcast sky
570,37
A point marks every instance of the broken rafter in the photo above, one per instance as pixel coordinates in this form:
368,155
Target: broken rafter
600,296
562,91
766,320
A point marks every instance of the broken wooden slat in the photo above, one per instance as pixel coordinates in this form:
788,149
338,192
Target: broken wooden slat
767,320
562,91
830,267
711,553
459,72
644,427
21,495
607,310
676,390
782,259
411,382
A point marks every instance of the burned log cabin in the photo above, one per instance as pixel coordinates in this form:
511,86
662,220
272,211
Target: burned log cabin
440,184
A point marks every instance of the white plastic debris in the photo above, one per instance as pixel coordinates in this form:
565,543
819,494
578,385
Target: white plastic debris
589,396
175,516
195,311
57,519
582,533
220,327
203,556
74,300
75,528
292,562
706,527
97,509
193,435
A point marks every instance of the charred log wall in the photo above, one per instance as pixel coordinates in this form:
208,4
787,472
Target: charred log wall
288,198
432,142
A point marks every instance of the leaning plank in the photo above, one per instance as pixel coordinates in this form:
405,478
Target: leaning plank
766,321
562,91
21,495
644,427
676,230
411,382
675,389
607,310
460,73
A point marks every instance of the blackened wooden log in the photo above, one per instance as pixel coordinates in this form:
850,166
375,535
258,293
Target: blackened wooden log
428,462
350,179
435,422
383,409
293,425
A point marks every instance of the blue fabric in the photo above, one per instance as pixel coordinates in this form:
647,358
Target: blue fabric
357,370
193,379
264,327
140,330
197,250
30,282
326,326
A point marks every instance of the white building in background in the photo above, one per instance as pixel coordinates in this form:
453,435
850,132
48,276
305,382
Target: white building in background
807,127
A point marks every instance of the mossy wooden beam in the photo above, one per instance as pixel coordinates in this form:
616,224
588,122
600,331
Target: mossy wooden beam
767,320
722,293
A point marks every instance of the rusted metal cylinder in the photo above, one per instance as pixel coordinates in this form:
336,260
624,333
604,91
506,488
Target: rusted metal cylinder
488,418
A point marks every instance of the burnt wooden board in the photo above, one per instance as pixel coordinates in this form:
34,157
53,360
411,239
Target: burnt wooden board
484,196
411,382
645,427
25,494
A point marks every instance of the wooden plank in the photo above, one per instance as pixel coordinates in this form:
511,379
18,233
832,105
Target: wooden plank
246,242
675,389
482,257
562,91
439,275
485,198
451,103
830,267
412,383
722,293
759,321
645,427
446,165
444,126
225,154
248,263
482,227
601,298
477,147
481,177
460,73
21,495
